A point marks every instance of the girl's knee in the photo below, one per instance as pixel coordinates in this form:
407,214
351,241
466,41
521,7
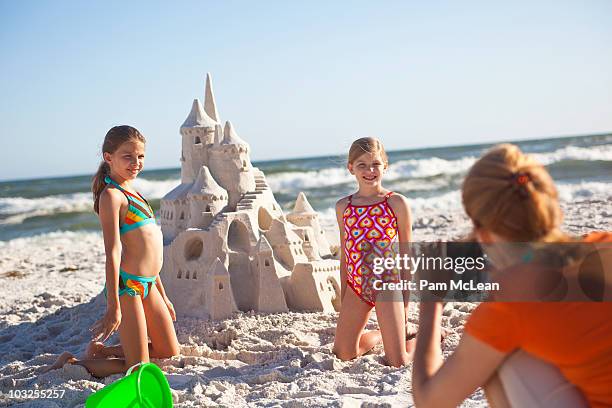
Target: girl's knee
175,351
170,352
344,353
167,351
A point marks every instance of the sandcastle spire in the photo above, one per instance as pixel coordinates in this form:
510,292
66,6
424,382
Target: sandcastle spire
206,184
231,137
210,106
302,206
197,117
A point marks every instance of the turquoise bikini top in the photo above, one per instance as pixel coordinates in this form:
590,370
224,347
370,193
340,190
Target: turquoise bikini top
139,211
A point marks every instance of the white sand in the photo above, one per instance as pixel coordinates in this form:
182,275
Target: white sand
51,286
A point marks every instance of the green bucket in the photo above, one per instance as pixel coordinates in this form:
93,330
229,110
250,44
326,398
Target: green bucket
147,388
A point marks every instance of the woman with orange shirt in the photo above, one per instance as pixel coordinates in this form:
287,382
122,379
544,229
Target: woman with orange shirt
523,354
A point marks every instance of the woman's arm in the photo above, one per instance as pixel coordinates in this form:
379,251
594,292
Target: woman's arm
436,383
340,207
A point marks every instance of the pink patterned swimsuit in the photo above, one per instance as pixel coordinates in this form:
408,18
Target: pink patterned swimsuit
370,231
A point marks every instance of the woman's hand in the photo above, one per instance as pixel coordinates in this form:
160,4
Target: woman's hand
170,307
107,325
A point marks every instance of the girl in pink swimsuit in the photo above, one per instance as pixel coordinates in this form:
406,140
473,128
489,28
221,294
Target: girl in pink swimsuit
372,223
369,231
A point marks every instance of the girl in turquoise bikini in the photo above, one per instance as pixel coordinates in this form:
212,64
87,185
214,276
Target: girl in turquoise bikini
137,305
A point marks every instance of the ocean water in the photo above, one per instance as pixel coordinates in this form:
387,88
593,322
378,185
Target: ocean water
430,178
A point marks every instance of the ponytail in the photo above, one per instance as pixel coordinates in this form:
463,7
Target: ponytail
98,183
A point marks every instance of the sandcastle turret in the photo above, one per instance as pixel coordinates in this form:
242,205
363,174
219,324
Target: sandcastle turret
231,164
206,199
269,295
197,132
231,138
218,297
287,245
303,215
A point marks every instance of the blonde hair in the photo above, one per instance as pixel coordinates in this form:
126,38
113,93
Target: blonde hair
512,195
114,138
367,145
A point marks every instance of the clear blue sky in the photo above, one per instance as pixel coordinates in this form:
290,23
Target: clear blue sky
297,78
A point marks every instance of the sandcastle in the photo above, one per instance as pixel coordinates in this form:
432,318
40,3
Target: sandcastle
227,243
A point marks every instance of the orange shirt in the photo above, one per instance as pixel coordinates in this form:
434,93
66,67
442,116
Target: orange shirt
575,337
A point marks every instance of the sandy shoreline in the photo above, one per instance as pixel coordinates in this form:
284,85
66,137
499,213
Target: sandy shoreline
51,287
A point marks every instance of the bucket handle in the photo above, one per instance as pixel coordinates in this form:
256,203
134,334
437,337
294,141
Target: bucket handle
129,371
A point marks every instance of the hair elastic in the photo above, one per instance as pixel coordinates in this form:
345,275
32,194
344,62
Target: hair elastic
520,178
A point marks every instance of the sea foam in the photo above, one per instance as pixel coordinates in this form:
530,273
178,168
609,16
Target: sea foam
405,175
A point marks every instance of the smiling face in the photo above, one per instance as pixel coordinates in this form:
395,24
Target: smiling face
368,168
127,161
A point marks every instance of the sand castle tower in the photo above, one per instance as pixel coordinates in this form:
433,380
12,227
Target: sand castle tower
197,132
312,234
218,298
206,199
269,294
229,160
227,243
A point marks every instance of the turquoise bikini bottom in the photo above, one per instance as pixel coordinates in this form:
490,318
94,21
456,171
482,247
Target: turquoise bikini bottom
133,285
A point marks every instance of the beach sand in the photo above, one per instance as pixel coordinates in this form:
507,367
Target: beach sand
51,294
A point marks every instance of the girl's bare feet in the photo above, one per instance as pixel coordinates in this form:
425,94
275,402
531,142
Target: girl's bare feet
94,350
64,358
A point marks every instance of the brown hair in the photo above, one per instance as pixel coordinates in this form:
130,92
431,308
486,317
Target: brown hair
511,194
367,145
114,138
